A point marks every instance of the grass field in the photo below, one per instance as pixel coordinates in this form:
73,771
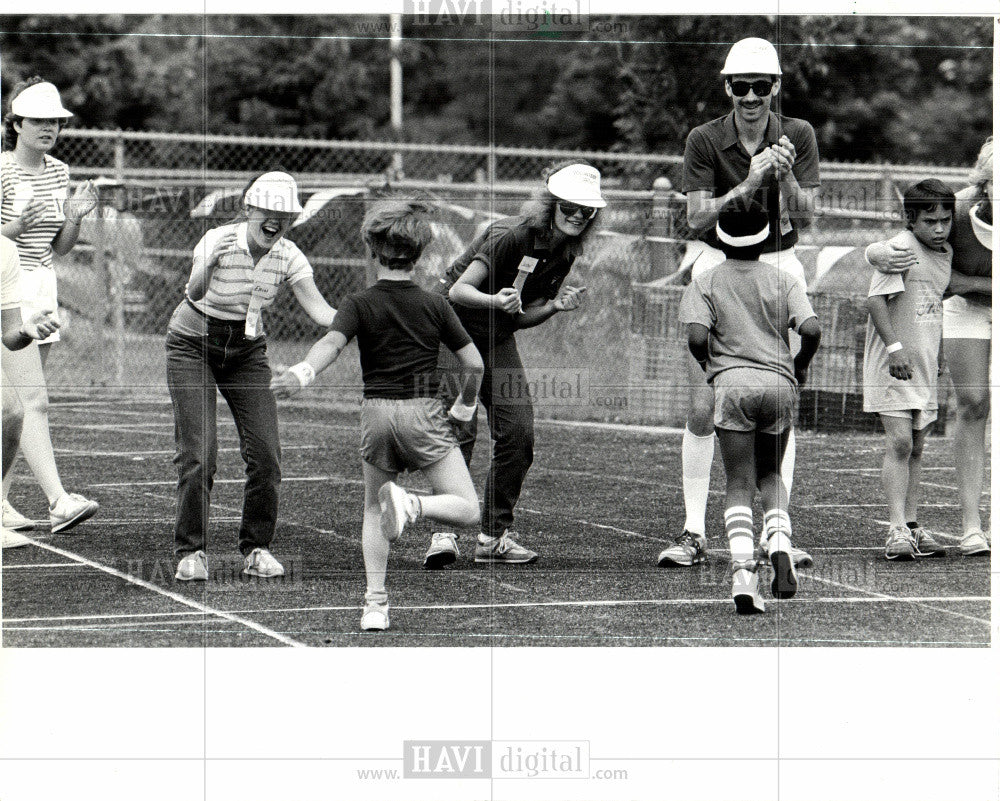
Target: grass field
599,505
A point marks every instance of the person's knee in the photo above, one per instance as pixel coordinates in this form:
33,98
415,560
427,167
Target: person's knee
973,404
471,515
899,446
13,414
35,401
701,414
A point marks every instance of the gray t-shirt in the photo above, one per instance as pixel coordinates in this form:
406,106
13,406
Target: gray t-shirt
914,302
748,307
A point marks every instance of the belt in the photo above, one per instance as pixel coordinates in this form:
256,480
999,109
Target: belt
214,320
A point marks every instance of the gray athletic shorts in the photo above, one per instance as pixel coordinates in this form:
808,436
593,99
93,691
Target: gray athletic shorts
748,399
411,434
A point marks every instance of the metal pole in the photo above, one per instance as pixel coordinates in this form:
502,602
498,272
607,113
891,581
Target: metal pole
396,88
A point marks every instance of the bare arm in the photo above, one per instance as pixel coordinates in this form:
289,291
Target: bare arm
698,343
962,284
888,257
16,334
810,333
464,291
703,209
472,373
899,360
83,202
313,303
320,356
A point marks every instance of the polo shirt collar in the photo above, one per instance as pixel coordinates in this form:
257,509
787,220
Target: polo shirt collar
730,137
242,242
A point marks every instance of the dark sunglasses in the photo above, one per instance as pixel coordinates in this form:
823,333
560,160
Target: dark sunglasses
761,88
569,209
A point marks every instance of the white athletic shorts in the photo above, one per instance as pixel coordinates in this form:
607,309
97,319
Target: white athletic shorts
786,260
965,319
38,292
921,417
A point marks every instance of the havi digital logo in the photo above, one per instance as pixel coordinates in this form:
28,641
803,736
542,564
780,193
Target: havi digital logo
444,759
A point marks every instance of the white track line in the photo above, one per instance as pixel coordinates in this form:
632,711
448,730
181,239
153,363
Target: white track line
289,480
825,600
173,596
896,598
662,430
170,452
43,565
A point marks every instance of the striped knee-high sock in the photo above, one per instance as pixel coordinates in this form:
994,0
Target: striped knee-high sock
777,530
739,530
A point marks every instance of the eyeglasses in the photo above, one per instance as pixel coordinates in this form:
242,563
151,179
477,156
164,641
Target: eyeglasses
761,88
569,209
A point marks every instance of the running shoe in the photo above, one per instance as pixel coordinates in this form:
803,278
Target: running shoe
688,550
900,545
259,562
443,550
503,550
193,567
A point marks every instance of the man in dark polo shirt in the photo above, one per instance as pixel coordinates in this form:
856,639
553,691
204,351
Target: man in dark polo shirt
752,153
511,277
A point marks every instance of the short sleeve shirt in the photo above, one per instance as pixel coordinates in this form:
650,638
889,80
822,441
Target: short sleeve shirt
10,282
914,302
970,257
748,308
400,328
502,247
51,187
228,294
716,161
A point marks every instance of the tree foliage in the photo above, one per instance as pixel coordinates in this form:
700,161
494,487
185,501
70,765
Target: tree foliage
890,89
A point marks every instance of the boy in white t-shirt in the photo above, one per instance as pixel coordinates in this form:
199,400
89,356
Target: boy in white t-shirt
902,350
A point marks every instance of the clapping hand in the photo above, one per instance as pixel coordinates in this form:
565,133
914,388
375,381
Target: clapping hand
508,299
285,385
83,201
570,298
784,156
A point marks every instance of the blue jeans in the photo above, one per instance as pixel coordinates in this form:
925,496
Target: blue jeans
238,367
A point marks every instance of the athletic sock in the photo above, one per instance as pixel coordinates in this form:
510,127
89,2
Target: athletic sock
777,531
696,463
739,530
788,463
486,539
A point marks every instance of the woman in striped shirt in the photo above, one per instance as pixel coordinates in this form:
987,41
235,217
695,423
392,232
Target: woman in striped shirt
37,213
216,339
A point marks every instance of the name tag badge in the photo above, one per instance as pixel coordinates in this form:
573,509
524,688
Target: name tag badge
253,319
524,269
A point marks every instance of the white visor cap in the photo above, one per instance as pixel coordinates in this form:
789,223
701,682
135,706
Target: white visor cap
578,183
752,56
982,229
274,191
40,101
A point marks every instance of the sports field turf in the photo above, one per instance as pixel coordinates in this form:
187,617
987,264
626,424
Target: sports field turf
598,505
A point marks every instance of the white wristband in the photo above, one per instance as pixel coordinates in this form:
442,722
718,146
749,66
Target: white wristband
304,372
462,412
893,347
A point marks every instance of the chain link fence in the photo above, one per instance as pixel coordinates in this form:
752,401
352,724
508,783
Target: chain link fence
120,285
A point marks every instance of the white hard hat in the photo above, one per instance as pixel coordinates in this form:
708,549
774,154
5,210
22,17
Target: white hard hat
274,191
578,183
752,56
39,101
982,229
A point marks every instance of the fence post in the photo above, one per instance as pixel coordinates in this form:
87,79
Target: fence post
119,156
114,272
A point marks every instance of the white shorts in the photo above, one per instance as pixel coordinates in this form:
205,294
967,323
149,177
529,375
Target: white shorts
921,417
38,293
786,260
965,319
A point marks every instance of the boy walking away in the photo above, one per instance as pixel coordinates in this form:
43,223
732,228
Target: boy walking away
738,316
902,348
404,426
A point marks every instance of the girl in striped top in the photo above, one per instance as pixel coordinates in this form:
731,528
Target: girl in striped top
216,339
37,212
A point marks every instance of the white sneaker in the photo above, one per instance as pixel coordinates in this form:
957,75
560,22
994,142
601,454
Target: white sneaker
443,550
399,508
71,510
11,539
14,520
193,567
259,562
975,543
375,616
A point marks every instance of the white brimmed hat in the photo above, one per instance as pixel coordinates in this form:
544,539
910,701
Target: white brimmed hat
578,183
274,191
982,229
39,101
752,56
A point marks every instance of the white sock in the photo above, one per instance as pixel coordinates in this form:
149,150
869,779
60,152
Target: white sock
486,539
696,462
777,531
788,463
739,530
